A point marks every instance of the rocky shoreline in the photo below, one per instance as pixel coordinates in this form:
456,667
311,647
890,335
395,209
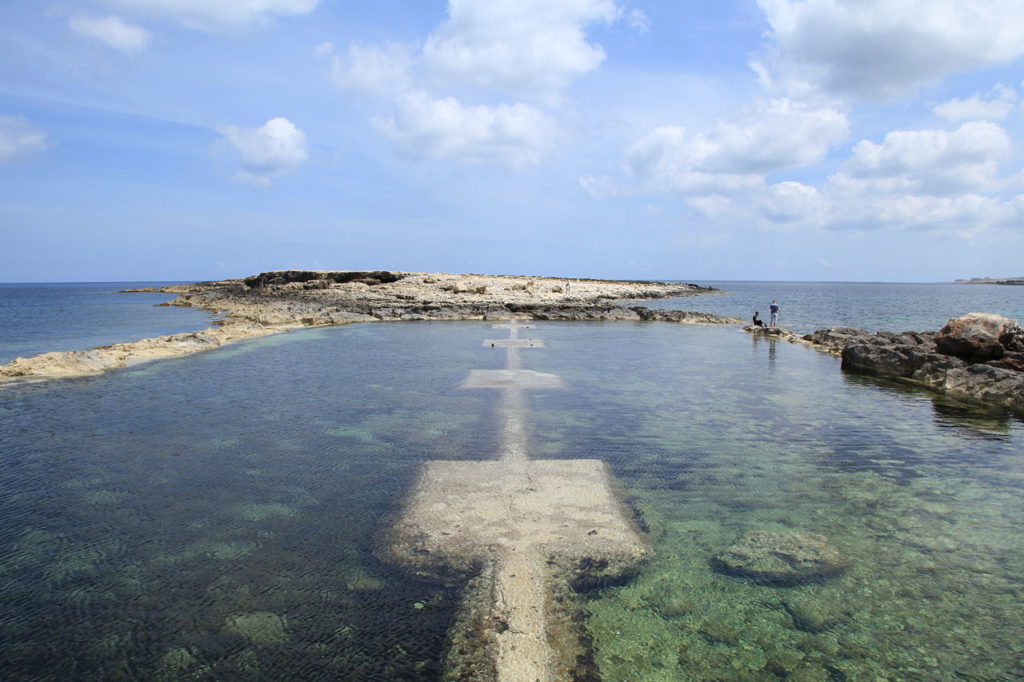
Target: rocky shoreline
279,301
977,357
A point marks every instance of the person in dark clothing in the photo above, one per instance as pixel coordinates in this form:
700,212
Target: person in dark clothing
758,322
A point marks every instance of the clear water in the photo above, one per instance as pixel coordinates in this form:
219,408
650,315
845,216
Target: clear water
807,306
716,433
217,516
40,318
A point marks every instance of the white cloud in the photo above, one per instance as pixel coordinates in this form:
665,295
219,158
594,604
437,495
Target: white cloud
928,180
780,134
785,206
513,135
114,31
215,14
790,202
733,156
994,108
600,186
534,47
934,161
373,70
521,48
858,207
963,215
275,148
18,139
637,19
886,48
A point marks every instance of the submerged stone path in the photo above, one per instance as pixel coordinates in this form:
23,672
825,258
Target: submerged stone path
526,529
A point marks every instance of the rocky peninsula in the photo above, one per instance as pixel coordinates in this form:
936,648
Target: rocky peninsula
977,357
279,301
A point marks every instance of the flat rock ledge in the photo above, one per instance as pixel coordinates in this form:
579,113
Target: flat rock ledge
278,301
977,357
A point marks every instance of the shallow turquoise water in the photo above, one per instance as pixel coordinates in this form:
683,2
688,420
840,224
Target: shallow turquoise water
217,516
716,433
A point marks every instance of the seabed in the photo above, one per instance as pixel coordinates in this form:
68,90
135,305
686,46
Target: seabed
526,529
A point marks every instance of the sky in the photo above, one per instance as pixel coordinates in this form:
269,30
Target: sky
700,140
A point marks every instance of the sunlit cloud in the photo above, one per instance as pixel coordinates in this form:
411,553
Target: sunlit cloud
19,139
112,30
268,151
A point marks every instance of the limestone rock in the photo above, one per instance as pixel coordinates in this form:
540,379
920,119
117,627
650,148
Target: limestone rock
772,333
977,336
281,300
877,360
987,384
835,339
961,360
781,558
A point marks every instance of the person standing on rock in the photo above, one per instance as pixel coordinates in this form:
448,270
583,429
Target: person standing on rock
774,310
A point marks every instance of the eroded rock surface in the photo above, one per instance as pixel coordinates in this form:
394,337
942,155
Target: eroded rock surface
332,297
119,355
781,558
779,333
978,357
979,337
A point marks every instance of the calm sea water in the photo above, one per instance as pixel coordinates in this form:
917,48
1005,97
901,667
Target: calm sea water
219,516
807,306
40,318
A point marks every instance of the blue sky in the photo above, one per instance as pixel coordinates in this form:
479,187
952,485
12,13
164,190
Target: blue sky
700,140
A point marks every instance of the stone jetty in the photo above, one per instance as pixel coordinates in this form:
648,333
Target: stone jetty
525,531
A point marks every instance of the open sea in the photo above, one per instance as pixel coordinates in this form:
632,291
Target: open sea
40,318
219,516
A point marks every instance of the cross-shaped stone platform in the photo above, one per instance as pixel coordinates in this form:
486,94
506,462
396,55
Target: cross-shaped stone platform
526,529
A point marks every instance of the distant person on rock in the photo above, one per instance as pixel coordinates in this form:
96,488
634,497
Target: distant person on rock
758,322
774,310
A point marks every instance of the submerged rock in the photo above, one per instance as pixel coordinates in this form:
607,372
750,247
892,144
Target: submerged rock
259,626
812,614
781,558
177,660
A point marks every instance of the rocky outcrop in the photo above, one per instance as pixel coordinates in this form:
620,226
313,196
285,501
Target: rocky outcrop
979,337
313,297
772,333
781,558
288,299
318,279
978,357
